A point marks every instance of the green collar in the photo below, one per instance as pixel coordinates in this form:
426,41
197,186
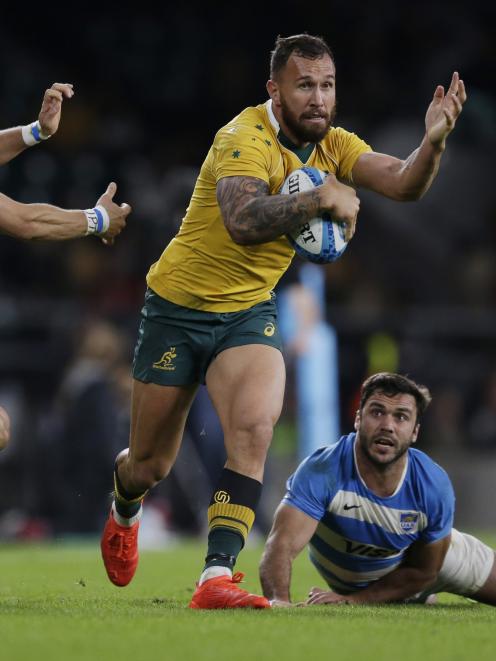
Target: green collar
303,153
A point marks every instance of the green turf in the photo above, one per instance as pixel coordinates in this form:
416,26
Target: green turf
56,603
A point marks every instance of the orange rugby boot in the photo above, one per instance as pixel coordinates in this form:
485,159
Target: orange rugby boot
223,592
119,547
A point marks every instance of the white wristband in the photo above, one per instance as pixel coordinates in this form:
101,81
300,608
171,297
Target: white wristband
32,134
98,220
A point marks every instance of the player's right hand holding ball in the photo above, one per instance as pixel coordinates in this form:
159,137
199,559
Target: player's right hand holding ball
341,201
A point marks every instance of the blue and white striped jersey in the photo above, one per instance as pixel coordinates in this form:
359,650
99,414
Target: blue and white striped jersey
361,536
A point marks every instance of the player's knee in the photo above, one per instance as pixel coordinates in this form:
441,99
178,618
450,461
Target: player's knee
255,437
150,472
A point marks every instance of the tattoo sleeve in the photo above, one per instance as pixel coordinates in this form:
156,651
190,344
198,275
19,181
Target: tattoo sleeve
251,215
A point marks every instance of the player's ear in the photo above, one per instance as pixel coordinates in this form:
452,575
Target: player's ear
415,432
357,421
273,90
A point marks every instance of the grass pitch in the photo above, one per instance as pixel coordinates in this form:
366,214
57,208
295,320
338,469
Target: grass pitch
57,604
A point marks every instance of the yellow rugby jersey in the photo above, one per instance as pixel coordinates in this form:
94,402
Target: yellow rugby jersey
202,267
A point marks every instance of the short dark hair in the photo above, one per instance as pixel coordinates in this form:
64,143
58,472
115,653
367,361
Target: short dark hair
392,384
303,45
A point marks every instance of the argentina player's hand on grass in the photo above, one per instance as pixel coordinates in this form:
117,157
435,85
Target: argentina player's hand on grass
118,213
318,596
51,107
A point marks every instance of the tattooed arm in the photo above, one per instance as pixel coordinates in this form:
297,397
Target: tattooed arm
251,215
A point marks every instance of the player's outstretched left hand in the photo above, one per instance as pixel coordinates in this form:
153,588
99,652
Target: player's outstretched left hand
444,110
4,428
51,108
118,213
317,597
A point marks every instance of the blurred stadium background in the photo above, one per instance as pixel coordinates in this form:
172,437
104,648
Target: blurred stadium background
415,292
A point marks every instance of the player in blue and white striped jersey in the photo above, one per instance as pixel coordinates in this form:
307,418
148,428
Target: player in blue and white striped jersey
376,513
45,221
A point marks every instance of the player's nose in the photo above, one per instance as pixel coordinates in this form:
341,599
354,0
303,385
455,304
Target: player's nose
317,98
387,423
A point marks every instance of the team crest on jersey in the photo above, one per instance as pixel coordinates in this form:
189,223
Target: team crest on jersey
409,521
166,362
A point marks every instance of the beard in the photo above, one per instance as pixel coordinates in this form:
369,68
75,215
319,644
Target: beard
305,133
382,463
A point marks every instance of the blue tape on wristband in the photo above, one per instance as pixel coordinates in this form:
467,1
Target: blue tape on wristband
35,132
99,215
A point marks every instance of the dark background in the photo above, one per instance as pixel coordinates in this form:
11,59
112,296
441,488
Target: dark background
415,291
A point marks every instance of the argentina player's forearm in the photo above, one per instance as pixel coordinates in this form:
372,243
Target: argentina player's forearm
252,216
400,584
40,221
275,572
4,428
11,144
290,533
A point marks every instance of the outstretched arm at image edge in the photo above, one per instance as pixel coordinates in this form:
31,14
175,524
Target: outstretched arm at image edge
48,222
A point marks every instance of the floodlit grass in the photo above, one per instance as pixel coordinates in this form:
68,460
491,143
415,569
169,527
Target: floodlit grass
56,603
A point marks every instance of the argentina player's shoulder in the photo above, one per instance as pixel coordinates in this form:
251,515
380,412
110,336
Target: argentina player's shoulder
329,461
317,479
428,477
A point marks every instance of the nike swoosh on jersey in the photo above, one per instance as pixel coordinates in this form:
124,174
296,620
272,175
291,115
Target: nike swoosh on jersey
388,518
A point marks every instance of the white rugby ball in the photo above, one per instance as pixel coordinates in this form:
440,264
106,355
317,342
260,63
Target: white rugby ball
320,240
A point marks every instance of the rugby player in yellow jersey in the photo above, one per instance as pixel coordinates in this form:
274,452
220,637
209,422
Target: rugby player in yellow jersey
45,221
209,312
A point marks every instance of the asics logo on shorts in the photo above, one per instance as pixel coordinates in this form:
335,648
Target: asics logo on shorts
222,497
269,329
165,363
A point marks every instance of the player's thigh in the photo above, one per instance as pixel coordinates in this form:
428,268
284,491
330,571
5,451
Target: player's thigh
467,568
487,594
174,343
246,384
158,418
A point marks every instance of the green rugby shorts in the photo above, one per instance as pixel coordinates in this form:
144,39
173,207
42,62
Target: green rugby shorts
176,344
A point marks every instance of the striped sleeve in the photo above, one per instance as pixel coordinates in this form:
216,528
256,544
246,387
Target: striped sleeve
310,489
